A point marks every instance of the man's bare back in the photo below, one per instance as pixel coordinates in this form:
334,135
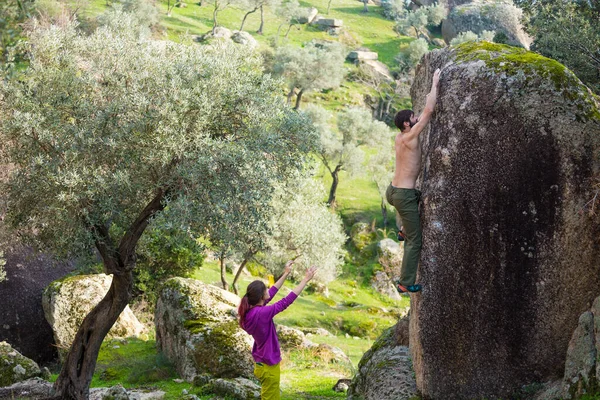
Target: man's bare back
408,142
408,162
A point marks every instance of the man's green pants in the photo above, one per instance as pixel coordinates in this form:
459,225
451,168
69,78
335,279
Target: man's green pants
406,201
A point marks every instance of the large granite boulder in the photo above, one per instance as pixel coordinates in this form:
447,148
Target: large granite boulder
197,329
14,367
67,301
385,371
22,322
501,16
509,259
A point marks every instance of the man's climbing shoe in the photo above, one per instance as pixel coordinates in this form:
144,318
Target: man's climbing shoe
400,236
412,288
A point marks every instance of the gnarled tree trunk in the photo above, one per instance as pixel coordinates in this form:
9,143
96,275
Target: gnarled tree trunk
74,380
336,180
76,375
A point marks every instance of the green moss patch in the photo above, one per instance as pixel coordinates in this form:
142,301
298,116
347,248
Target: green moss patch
511,61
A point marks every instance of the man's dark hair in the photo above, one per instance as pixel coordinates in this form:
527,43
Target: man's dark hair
402,117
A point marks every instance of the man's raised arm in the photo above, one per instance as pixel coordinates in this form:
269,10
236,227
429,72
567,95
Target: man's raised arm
425,117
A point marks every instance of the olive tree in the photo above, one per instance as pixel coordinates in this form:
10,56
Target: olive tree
414,23
316,66
568,31
251,6
343,150
291,12
303,226
112,129
220,5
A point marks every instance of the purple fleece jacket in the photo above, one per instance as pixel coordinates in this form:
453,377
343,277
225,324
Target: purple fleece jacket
259,323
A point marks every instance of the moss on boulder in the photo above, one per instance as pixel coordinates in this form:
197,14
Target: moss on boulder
385,370
14,367
197,329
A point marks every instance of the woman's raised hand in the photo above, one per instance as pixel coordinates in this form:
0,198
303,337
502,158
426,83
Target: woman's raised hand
289,266
310,273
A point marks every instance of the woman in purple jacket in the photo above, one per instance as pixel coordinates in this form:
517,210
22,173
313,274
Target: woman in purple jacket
256,318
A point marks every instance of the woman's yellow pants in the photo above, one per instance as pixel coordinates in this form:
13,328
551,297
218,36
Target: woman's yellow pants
269,377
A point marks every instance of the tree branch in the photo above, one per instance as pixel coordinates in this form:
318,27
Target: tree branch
135,231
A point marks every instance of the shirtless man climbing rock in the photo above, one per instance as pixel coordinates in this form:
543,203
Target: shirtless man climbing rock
402,193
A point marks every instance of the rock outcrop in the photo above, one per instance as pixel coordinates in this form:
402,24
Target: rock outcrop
21,314
197,329
500,16
385,371
510,260
67,301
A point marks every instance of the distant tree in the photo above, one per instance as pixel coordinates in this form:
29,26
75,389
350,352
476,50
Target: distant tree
469,36
410,57
302,225
251,6
315,66
394,9
568,31
12,15
365,6
112,130
381,170
414,23
342,150
218,6
292,12
388,92
328,6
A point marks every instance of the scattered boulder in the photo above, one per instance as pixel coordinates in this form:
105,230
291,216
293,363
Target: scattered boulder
246,39
67,301
499,16
379,69
181,5
358,55
502,221
309,17
34,388
23,324
238,388
390,256
197,330
316,331
119,393
385,371
383,284
332,354
290,338
342,385
14,367
221,32
329,23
